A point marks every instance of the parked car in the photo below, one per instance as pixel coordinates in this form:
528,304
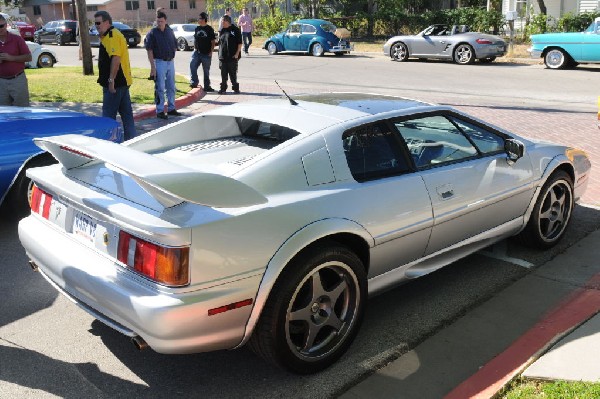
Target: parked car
25,30
565,50
185,35
41,57
313,36
446,42
60,32
132,35
270,222
18,152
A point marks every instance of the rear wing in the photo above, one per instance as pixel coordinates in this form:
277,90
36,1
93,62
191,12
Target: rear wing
169,183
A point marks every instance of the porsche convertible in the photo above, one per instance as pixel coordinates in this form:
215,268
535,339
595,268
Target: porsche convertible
270,223
446,42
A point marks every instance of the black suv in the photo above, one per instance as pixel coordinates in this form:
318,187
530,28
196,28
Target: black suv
60,32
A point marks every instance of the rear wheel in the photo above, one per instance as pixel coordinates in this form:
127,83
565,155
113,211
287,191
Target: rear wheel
464,54
182,44
272,48
45,60
399,52
19,197
551,214
59,40
556,59
317,50
314,311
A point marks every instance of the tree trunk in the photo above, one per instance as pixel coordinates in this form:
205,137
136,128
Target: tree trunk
542,5
84,38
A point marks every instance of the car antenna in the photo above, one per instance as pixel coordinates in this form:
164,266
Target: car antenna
288,97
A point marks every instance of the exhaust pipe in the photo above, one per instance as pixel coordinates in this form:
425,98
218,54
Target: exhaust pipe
33,266
139,343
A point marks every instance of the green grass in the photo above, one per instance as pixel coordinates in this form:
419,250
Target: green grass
69,84
530,389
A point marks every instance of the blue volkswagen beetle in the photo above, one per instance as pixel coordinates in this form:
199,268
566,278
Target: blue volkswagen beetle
18,127
312,36
563,50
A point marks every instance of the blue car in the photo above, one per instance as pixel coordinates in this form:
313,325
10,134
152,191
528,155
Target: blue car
564,50
18,126
312,36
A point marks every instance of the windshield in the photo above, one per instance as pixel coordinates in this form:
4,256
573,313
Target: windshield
189,27
594,27
121,26
328,27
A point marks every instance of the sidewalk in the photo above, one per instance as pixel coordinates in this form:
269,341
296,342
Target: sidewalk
481,352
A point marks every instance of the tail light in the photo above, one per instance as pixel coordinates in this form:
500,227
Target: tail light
169,266
40,201
483,41
65,29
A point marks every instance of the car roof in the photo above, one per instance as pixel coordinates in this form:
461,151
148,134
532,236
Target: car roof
312,21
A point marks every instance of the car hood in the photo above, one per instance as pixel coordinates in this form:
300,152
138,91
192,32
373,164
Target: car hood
12,114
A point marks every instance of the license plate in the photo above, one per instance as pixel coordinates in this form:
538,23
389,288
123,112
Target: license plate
27,33
131,40
84,227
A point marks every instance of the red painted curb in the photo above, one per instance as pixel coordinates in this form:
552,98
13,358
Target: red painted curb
191,97
575,309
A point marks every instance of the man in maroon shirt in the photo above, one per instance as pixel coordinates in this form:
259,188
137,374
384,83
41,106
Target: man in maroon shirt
14,53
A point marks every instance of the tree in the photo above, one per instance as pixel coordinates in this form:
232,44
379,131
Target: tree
84,38
542,5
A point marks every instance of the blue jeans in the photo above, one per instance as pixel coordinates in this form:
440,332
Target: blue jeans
165,80
197,60
247,37
119,102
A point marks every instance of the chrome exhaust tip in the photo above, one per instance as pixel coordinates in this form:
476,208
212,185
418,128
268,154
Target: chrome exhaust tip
139,343
33,266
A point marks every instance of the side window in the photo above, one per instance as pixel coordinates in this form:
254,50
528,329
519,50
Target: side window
308,29
434,140
372,152
487,142
294,28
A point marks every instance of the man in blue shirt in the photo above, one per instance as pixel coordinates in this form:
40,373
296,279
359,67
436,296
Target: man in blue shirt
161,46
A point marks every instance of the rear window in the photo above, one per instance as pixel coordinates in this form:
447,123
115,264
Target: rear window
329,28
71,25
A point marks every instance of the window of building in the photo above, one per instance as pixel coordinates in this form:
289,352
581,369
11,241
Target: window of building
192,4
131,5
521,7
37,10
151,5
173,5
92,8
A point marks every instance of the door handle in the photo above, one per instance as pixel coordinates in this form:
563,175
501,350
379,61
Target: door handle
445,191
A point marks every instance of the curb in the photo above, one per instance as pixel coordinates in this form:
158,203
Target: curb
181,102
573,311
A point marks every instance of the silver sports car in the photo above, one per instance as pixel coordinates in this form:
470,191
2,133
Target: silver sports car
269,223
446,42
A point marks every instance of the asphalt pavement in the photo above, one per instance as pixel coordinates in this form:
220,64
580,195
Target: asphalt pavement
544,326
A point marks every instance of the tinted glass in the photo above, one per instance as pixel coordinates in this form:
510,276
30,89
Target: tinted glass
434,140
373,151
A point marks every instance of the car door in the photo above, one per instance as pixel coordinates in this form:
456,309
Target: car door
590,51
291,38
472,186
47,34
390,200
430,42
308,33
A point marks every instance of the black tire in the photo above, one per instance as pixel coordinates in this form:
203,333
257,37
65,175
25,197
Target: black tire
317,49
46,60
19,197
37,39
551,213
464,54
399,52
271,48
182,44
557,59
314,310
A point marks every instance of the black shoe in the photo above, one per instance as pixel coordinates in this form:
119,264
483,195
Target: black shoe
193,85
174,113
237,91
222,91
162,116
209,89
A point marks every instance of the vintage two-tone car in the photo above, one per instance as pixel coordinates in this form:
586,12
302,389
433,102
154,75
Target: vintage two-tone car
565,50
312,36
446,42
269,223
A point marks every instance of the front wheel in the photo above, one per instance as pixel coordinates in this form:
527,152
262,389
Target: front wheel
182,44
272,48
59,40
45,60
556,59
317,50
399,52
464,54
37,39
314,311
551,214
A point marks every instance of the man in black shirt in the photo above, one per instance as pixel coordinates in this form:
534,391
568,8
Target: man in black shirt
230,48
204,45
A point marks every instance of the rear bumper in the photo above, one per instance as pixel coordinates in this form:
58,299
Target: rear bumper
169,320
342,49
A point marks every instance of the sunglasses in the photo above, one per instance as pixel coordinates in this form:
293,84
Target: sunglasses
2,26
98,22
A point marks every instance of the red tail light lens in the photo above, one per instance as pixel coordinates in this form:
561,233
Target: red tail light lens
164,265
40,201
483,41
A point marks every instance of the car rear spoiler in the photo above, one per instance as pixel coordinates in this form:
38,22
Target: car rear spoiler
169,183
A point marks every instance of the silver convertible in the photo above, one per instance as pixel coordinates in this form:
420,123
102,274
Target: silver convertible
446,42
269,223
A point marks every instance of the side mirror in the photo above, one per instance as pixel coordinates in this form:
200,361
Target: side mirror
514,149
